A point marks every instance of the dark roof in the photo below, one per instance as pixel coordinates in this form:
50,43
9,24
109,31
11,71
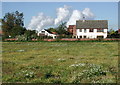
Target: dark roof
91,24
48,31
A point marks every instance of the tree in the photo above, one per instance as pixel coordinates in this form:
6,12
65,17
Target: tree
12,24
113,34
61,29
17,30
111,31
52,30
30,34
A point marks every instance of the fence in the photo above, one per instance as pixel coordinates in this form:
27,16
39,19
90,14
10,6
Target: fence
64,39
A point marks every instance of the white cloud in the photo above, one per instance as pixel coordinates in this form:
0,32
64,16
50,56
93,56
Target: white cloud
88,14
64,14
76,15
40,22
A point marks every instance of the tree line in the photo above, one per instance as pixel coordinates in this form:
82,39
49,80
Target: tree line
113,34
13,27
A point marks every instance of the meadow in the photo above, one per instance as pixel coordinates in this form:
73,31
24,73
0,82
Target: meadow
60,62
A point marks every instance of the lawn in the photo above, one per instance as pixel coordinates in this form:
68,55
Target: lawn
60,62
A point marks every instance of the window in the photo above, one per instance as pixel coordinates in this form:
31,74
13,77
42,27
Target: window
80,36
85,30
91,30
100,30
43,31
80,30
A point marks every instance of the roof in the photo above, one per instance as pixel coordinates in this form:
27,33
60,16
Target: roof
54,32
91,24
71,26
48,31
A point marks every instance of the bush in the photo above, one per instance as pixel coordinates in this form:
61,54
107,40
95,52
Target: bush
21,37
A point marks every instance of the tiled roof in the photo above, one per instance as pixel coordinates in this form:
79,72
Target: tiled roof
91,24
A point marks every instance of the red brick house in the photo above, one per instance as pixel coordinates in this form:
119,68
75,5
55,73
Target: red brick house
119,31
72,29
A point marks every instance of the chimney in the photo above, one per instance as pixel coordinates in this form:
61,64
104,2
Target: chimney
83,18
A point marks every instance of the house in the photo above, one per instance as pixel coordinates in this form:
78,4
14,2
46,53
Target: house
45,32
54,33
90,28
1,32
72,29
118,31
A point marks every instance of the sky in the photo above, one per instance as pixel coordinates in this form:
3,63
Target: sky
100,10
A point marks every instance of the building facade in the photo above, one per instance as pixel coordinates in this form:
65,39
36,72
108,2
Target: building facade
91,28
72,29
118,31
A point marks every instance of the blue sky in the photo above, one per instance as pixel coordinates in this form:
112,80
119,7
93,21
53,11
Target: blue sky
102,10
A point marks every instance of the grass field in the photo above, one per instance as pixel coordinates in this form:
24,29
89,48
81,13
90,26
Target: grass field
60,62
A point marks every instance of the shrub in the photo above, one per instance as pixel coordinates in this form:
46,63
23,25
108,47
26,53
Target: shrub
21,37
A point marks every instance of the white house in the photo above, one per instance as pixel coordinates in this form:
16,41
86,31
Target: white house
91,28
47,33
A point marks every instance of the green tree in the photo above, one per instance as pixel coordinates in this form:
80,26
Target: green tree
61,29
111,31
52,30
17,30
113,34
30,34
12,24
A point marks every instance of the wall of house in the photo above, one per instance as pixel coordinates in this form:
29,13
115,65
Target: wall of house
119,31
46,33
70,30
74,30
88,34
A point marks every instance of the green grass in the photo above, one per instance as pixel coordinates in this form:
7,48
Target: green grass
60,62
